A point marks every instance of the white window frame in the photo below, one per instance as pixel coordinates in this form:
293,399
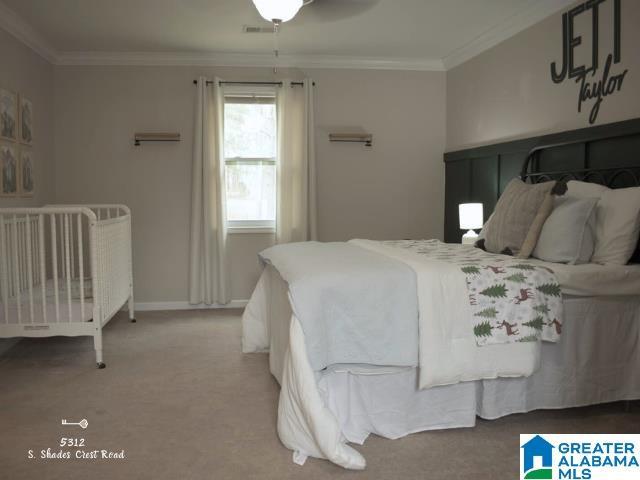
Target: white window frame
250,226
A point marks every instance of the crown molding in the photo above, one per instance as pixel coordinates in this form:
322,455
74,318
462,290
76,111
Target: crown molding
505,30
11,22
541,9
245,60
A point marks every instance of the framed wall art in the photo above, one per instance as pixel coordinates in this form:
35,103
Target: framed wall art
8,115
26,121
8,171
26,170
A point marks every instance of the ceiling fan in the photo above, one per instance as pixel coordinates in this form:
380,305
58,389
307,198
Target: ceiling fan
280,11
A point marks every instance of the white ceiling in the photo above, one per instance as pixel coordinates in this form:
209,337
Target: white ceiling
427,33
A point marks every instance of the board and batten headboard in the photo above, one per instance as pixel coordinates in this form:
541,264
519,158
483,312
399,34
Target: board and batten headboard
606,154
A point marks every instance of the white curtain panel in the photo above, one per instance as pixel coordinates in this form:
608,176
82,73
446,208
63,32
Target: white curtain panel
296,204
208,279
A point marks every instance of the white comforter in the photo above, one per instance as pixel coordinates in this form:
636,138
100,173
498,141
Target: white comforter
346,298
448,354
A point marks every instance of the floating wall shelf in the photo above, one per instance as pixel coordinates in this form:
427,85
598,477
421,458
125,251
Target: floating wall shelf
365,138
156,137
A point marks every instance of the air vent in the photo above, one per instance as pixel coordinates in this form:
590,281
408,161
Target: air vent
255,29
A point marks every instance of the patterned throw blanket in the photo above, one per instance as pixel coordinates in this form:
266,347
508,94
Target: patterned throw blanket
512,300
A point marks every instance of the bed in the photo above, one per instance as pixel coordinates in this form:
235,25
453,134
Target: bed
326,403
64,270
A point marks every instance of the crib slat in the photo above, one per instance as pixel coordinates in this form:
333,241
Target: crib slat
67,264
29,268
72,244
25,246
43,274
16,270
54,264
61,243
19,249
34,247
21,254
81,267
4,268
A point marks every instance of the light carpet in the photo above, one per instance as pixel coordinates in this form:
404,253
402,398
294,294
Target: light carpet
184,403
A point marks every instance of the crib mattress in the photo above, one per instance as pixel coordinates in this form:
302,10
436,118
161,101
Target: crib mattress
68,312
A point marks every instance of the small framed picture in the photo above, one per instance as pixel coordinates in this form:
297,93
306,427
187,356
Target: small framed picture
26,121
8,171
8,115
26,169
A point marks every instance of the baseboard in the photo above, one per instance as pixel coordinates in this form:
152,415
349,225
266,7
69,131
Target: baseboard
153,306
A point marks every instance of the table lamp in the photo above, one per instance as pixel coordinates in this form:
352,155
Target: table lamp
471,217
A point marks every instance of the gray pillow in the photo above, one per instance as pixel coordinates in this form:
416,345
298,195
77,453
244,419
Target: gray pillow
568,234
518,218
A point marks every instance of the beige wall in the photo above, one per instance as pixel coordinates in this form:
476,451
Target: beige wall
507,91
25,72
394,190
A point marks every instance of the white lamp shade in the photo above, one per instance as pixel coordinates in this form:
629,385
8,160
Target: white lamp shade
471,215
282,10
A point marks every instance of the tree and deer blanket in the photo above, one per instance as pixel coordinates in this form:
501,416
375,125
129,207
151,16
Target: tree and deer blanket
512,300
481,315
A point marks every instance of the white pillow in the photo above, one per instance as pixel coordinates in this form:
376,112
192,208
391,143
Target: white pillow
568,234
617,220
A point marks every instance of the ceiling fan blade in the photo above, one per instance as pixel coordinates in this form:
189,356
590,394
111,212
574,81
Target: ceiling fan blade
332,10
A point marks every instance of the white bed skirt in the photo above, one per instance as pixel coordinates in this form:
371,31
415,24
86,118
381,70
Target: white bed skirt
596,361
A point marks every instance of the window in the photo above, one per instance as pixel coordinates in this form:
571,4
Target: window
250,144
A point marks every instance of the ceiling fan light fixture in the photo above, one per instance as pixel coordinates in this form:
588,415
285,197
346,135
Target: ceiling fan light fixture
278,10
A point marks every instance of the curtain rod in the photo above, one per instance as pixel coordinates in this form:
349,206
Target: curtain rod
210,82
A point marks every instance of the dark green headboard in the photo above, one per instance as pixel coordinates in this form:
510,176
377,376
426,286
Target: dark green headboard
607,154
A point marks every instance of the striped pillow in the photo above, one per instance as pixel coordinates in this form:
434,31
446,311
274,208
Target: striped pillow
518,218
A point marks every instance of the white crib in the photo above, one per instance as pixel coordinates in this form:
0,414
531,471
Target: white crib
64,270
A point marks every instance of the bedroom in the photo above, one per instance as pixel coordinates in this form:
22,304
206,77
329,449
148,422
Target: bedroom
452,96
